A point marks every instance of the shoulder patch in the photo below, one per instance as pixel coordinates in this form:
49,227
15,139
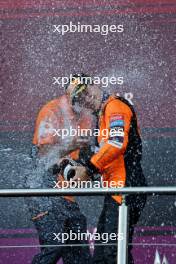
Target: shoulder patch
115,117
116,133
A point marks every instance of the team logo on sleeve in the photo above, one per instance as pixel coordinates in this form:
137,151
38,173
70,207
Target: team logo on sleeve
116,133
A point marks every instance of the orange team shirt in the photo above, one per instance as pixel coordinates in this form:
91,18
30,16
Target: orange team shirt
110,157
58,114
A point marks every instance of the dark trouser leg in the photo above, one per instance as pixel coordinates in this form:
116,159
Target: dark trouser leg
76,223
108,223
63,217
135,204
46,226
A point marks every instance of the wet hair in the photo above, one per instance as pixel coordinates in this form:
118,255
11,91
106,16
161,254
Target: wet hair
81,82
84,79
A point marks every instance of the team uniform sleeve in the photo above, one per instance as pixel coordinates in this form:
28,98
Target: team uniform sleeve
118,125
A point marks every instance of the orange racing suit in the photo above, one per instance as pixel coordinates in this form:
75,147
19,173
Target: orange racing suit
117,116
118,159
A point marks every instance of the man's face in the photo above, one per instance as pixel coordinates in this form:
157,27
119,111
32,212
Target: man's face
92,98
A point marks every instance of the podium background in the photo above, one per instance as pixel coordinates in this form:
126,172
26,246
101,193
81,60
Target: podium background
31,54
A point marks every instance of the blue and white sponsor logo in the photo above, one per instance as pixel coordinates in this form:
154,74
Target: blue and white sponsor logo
117,123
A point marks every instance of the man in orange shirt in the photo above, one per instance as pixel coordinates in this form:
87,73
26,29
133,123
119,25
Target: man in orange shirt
57,215
118,161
